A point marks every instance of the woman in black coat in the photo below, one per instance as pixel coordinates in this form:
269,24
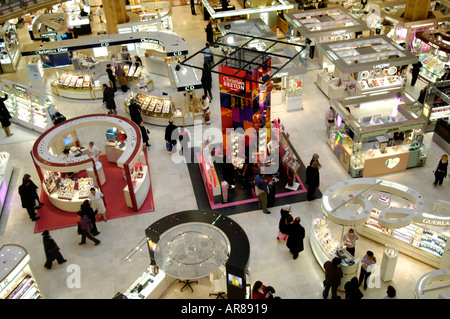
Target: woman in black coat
312,179
87,210
296,234
135,112
206,81
51,250
5,116
27,192
285,220
144,132
108,99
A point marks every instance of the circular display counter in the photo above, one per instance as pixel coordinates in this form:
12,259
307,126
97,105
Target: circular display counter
434,285
45,159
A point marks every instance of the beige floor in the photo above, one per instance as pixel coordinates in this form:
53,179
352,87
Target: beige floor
103,271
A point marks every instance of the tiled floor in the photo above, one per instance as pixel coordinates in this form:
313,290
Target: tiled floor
103,271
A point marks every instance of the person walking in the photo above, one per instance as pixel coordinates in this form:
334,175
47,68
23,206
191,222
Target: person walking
296,234
206,111
122,78
27,178
144,133
87,210
206,81
108,99
97,203
312,179
111,77
209,32
329,119
193,8
422,95
333,275
51,250
208,58
261,190
5,116
84,229
285,220
170,140
352,291
415,72
368,260
440,170
349,240
27,194
135,111
100,12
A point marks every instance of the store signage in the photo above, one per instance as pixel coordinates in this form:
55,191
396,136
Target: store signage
280,75
148,40
47,35
381,66
47,51
19,88
233,84
433,45
436,222
339,32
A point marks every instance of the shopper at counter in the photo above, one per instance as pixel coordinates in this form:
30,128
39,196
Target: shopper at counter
296,234
368,260
333,275
446,75
285,220
440,170
111,76
352,291
206,81
51,250
349,240
122,78
144,133
97,203
209,32
108,99
329,119
94,151
415,72
5,116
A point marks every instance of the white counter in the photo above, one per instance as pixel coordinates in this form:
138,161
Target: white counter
141,189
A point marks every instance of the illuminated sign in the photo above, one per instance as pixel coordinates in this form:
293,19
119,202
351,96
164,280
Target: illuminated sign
339,32
49,34
381,66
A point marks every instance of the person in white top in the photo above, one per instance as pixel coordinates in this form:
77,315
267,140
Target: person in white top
206,111
96,198
94,152
100,13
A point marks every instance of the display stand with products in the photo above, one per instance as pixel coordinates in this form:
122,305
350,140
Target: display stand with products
389,212
155,110
389,261
17,279
28,107
150,285
61,190
76,85
437,104
378,134
5,177
368,64
148,16
433,48
9,48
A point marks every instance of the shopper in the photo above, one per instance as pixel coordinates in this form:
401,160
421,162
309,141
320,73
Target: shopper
228,172
390,293
261,190
349,240
285,220
415,72
87,210
329,119
422,95
100,13
51,250
5,116
27,179
171,140
206,81
111,76
206,111
27,194
440,170
58,118
84,229
446,75
135,111
209,32
208,58
296,234
312,179
315,157
137,61
333,275
352,290
108,99
144,132
122,78
261,291
97,203
94,151
193,7
368,260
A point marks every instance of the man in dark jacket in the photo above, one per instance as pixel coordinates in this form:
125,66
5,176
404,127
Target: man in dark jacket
108,99
168,133
51,250
27,194
296,234
111,77
312,179
135,112
415,72
333,275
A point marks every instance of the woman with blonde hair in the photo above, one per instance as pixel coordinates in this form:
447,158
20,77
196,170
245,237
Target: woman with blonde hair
440,170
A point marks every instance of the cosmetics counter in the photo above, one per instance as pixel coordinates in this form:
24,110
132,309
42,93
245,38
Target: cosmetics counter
366,65
76,85
380,134
437,104
9,48
156,110
28,107
433,48
148,16
17,278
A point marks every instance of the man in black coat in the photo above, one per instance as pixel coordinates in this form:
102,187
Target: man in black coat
5,116
108,99
168,133
415,72
135,112
206,81
312,179
296,234
111,77
51,250
28,197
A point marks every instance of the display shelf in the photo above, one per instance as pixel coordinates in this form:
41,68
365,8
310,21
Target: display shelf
150,285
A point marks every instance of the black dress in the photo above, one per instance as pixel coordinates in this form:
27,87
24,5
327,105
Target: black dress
296,234
285,221
108,98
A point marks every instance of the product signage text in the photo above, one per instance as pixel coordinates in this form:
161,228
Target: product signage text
381,66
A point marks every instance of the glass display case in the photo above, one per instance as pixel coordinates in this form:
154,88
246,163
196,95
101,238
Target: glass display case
148,17
9,48
152,105
437,104
76,85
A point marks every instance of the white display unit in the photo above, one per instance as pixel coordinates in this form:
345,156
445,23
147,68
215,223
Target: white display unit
17,280
5,177
150,285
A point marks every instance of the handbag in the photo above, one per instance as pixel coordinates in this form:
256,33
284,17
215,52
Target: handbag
169,147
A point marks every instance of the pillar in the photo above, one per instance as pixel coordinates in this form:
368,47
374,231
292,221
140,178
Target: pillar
417,10
115,13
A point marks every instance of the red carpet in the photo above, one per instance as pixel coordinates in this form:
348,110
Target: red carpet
53,218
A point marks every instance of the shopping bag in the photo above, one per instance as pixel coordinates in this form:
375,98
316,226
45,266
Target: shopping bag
169,147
